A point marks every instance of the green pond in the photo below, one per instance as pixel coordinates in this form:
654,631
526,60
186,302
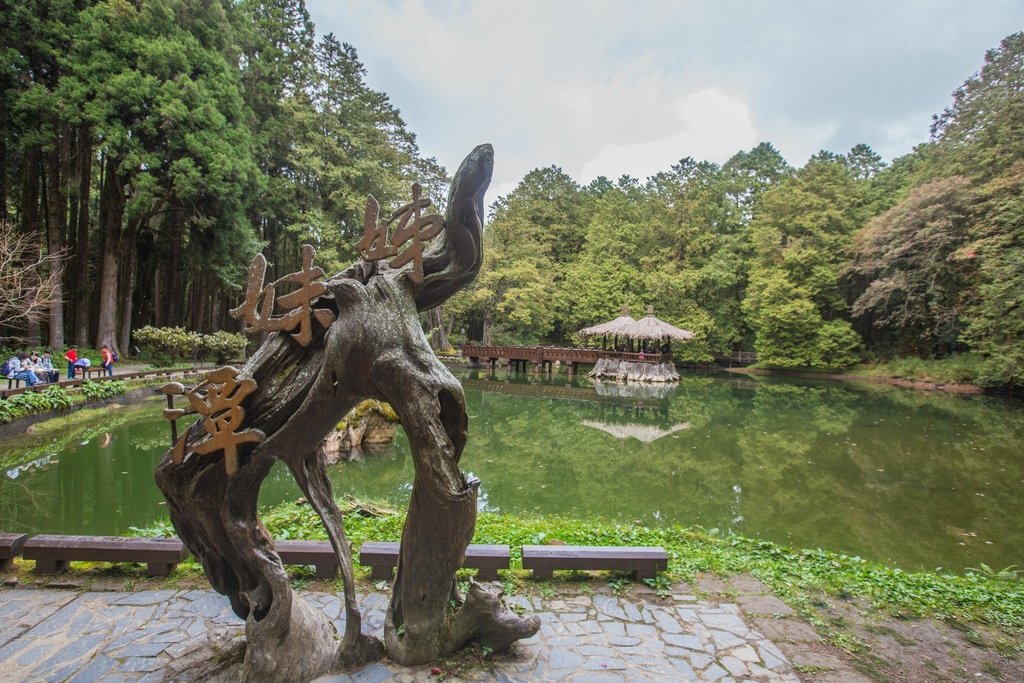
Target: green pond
919,480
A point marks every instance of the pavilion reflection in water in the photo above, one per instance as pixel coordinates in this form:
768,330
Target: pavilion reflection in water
640,432
635,389
643,405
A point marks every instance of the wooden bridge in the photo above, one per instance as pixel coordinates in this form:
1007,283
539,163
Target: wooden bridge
737,359
544,357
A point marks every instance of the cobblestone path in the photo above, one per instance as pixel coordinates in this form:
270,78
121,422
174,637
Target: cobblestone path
155,635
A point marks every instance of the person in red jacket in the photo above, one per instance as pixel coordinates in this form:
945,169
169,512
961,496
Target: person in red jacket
71,356
108,360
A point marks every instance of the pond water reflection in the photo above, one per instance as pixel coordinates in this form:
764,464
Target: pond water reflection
915,479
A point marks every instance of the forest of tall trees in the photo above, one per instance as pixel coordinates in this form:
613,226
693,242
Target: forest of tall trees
152,148
846,258
148,149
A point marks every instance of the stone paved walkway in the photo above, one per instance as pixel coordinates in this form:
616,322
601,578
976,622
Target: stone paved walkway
155,635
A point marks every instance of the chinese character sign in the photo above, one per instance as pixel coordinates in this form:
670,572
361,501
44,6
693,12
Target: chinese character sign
411,227
256,312
219,399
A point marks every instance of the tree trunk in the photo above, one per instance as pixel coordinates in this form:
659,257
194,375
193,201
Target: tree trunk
3,164
111,214
172,293
159,277
81,289
56,224
30,192
30,219
129,259
375,348
435,323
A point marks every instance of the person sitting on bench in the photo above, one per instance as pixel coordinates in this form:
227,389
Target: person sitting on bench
45,370
20,368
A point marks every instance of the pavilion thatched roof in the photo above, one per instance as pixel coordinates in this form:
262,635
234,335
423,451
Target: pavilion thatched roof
642,433
649,327
612,327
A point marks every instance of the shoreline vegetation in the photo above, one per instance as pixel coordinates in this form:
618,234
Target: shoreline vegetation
947,375
885,373
22,411
986,596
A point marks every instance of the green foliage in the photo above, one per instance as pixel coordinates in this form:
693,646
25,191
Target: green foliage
981,134
962,368
168,343
661,585
995,313
224,345
915,281
369,407
200,133
56,398
53,398
98,390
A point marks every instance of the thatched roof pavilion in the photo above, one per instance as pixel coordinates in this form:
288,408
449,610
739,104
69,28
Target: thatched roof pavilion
649,327
614,327
644,329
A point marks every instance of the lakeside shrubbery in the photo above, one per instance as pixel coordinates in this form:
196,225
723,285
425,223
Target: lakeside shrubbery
165,345
57,398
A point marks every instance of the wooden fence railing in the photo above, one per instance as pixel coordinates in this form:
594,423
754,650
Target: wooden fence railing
5,393
563,354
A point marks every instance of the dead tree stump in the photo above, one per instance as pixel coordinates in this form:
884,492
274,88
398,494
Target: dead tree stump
362,340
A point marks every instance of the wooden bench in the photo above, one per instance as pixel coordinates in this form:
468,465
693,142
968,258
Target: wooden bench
10,547
320,554
52,553
382,558
643,562
89,372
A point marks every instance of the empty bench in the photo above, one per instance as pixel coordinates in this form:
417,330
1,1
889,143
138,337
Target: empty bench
52,553
320,554
643,562
382,558
10,547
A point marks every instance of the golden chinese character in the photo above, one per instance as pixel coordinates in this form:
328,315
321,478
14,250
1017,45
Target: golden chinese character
257,309
411,227
374,245
221,406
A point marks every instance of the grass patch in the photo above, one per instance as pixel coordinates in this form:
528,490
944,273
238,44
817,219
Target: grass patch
964,368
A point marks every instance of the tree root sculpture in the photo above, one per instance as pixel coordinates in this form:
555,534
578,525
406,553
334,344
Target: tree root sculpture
373,347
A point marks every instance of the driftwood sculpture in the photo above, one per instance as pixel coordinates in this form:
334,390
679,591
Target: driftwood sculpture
353,336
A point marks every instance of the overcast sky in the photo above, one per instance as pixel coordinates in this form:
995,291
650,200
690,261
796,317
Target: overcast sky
630,87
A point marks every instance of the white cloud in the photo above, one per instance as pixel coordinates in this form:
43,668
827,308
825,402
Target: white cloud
711,126
605,87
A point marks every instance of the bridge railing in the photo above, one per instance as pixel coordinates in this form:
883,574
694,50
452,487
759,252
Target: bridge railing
539,354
